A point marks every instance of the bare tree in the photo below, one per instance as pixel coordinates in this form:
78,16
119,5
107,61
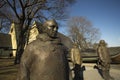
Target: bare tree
24,12
81,31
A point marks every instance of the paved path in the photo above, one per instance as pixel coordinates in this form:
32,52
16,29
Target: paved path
92,74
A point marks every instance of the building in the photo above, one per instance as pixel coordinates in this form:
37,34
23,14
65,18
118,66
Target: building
5,44
14,32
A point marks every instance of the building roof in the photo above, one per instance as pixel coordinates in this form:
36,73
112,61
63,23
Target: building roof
114,50
91,55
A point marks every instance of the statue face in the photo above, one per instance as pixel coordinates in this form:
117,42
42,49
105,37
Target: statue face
52,30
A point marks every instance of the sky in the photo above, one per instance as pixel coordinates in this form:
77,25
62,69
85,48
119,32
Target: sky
104,15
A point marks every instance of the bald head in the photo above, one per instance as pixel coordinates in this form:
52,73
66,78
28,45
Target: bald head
50,23
50,27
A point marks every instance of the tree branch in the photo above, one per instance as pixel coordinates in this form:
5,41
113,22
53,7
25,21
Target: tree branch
2,3
13,8
23,9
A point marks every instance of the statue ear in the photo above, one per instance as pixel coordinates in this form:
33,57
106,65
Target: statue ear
44,29
39,27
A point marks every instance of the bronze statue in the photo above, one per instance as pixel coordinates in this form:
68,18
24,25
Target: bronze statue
76,55
104,59
45,58
76,61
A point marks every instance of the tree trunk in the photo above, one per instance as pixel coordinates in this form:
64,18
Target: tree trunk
20,47
22,41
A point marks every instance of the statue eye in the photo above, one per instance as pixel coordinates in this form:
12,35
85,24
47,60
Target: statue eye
55,28
49,27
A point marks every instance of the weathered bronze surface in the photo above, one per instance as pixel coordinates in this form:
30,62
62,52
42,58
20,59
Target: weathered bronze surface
104,59
76,55
45,58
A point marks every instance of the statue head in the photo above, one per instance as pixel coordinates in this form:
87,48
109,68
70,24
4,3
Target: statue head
50,27
75,45
102,42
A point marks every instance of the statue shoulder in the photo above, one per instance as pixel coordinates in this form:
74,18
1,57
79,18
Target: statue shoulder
33,44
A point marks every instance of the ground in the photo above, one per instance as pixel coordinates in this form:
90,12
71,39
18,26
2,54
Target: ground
92,74
8,71
88,72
